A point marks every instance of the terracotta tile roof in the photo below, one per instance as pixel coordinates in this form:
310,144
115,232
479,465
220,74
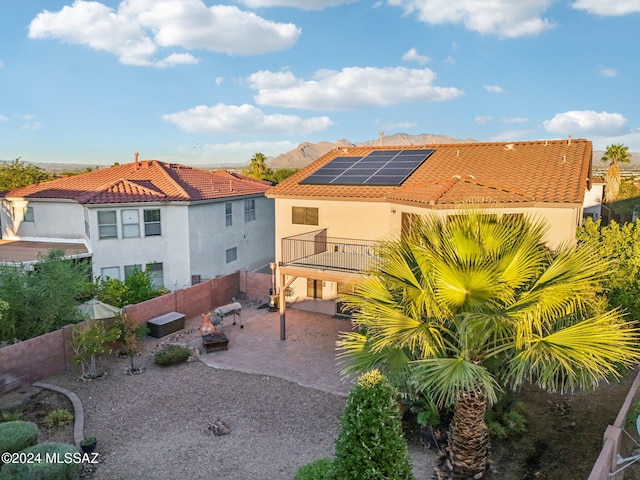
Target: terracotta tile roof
146,181
548,171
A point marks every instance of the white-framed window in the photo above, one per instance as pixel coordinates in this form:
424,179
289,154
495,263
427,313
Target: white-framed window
232,254
228,214
152,222
110,272
156,274
129,269
107,224
28,214
130,223
249,210
87,230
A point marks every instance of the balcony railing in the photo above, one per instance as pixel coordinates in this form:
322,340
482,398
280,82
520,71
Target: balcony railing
317,250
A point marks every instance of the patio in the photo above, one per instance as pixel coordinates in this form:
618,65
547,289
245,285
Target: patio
306,357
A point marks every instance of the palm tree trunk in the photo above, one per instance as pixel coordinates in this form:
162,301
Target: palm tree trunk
468,447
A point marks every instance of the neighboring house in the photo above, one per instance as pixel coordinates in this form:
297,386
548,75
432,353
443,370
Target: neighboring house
329,214
184,224
593,199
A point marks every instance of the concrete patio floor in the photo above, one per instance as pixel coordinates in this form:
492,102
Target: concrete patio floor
306,357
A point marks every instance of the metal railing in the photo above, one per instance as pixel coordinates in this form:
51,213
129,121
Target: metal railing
316,250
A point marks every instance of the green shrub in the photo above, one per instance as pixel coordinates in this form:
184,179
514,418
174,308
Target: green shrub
319,470
370,444
65,469
10,416
506,419
58,418
172,355
17,435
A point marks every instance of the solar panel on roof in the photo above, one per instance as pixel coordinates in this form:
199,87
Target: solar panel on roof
380,167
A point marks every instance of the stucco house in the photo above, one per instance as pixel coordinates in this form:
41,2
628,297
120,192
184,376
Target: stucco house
184,224
329,214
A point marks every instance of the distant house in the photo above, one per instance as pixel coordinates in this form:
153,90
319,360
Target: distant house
184,224
593,199
329,213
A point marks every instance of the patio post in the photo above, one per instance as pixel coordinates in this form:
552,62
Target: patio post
282,305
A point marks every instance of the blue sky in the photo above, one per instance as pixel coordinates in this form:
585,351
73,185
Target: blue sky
202,82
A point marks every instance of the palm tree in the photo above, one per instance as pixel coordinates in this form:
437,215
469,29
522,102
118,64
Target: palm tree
615,155
477,304
258,167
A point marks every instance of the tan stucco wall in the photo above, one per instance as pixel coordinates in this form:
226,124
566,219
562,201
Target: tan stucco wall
378,220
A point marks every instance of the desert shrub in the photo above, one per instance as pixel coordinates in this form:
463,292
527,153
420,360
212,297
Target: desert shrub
58,418
319,470
172,355
42,470
17,435
370,444
9,416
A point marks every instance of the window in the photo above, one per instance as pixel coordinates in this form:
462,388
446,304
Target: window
129,269
130,223
152,222
28,214
249,210
107,224
232,254
304,216
156,273
87,230
228,214
110,272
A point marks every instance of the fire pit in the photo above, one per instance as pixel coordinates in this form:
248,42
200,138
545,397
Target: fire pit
215,341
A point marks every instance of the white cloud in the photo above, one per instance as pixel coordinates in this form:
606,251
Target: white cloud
1,64
511,135
450,60
139,28
413,56
578,122
242,120
350,88
483,119
219,80
608,8
630,139
512,120
494,89
503,18
607,71
396,126
227,153
3,118
302,4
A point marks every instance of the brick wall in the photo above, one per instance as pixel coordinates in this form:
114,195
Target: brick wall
37,358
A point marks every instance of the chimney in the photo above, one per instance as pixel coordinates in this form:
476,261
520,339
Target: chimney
136,165
381,135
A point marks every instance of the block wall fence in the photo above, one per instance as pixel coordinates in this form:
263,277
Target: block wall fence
35,359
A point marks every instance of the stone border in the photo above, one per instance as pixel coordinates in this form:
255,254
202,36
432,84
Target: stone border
78,409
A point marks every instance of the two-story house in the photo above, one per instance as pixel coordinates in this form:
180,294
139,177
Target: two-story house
184,224
330,213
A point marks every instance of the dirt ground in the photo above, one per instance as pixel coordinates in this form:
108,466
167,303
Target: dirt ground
563,439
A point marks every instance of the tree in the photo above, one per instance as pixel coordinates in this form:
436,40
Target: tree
131,332
477,304
19,174
370,444
136,288
43,298
280,174
88,340
258,167
615,154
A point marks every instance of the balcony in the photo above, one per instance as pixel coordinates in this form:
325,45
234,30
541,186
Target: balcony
318,251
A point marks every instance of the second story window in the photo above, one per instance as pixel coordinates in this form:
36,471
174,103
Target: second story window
152,222
228,214
130,223
249,210
304,216
107,224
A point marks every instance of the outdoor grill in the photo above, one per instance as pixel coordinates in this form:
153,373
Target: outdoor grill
225,311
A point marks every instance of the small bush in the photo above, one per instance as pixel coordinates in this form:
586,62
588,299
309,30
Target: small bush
58,418
370,444
17,435
172,355
319,470
8,416
45,470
